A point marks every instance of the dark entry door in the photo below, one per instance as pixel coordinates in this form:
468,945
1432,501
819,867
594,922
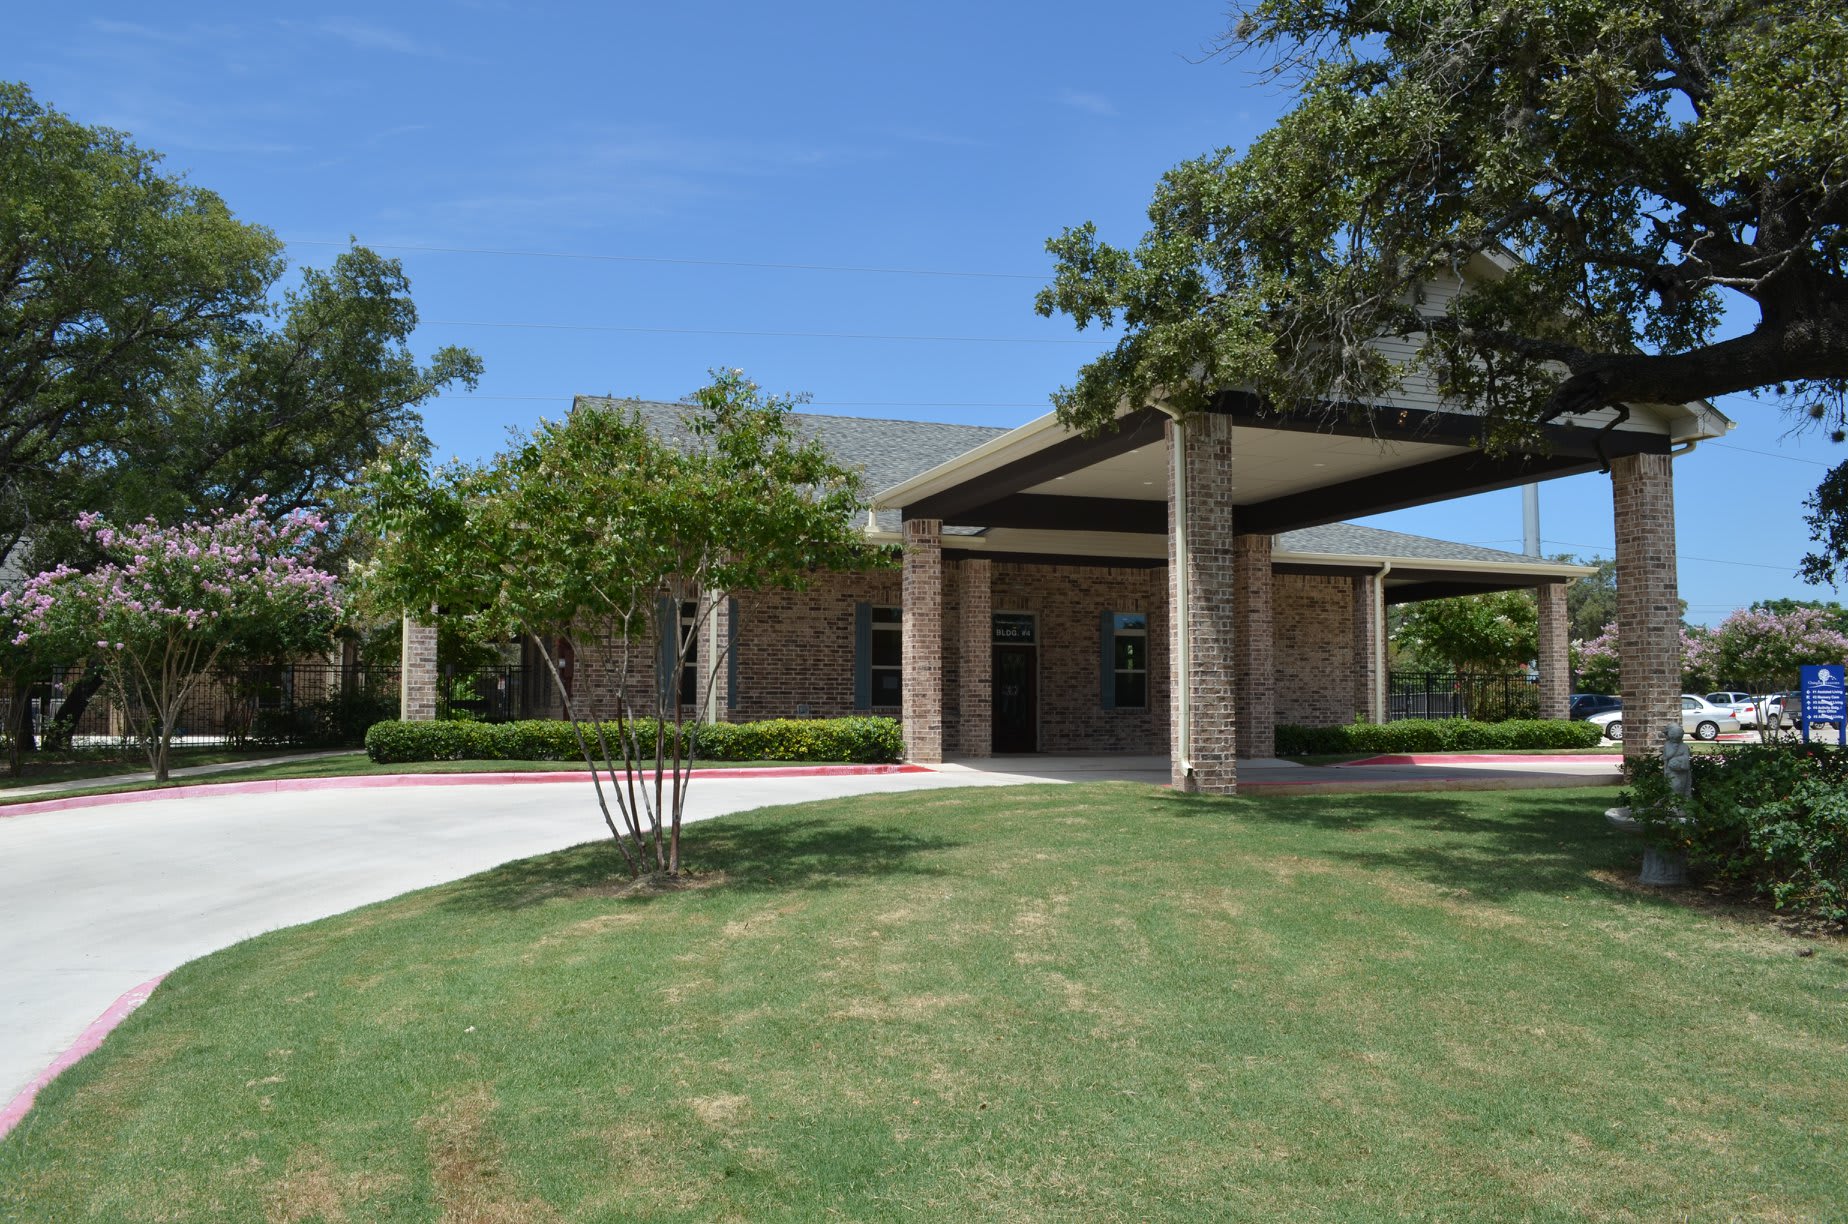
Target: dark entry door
1016,720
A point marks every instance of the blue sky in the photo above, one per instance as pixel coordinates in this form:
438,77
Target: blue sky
848,200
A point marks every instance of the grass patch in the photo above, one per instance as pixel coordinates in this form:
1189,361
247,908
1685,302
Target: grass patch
38,768
1027,1003
355,764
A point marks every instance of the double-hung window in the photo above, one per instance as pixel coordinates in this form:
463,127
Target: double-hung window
1124,665
879,656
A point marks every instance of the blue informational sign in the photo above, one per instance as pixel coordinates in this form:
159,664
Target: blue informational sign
1825,698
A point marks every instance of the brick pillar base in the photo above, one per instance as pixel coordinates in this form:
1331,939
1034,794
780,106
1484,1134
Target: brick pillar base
1254,680
923,641
975,706
417,673
1555,660
1648,608
1205,624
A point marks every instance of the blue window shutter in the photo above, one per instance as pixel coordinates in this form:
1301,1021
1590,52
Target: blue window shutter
863,656
731,654
669,613
1106,673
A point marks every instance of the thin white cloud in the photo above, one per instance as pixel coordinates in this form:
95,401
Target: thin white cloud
1095,104
370,36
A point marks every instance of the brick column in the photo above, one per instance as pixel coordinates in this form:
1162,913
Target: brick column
1204,627
975,667
1253,647
1369,651
923,673
1555,660
1648,609
715,627
417,673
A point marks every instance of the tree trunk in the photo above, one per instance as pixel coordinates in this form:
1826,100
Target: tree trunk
60,731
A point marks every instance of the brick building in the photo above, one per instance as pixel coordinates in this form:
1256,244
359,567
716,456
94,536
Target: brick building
1166,586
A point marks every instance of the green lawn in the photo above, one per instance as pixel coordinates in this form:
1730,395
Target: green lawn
340,765
1089,1002
38,768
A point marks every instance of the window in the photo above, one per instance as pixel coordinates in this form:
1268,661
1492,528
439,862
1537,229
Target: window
878,656
888,656
689,652
1125,662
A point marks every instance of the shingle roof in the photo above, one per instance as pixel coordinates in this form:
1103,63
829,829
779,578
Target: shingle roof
1350,539
888,452
885,452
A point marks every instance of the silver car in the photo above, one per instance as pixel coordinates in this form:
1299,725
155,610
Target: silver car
1703,719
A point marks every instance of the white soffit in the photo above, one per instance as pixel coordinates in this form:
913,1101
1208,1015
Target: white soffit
1268,463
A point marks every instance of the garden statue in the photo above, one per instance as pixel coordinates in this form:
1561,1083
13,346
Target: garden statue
1670,866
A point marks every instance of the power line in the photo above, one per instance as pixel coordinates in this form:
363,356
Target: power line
1769,454
1609,549
666,259
778,335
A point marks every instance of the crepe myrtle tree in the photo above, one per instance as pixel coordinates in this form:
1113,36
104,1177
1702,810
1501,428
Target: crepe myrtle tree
594,531
1765,650
1471,634
1597,662
168,604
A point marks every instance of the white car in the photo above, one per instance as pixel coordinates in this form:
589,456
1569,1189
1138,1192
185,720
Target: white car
1743,705
1703,719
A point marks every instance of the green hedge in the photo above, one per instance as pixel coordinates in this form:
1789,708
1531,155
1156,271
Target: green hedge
865,740
1437,735
1770,820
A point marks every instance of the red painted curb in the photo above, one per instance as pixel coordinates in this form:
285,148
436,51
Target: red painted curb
1462,758
208,790
85,1043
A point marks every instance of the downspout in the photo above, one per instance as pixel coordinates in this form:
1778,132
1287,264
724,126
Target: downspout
1183,618
1687,448
1381,671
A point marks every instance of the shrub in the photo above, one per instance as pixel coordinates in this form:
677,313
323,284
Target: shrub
1437,735
1770,820
865,740
340,721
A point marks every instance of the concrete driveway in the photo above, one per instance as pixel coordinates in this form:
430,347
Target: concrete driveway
96,901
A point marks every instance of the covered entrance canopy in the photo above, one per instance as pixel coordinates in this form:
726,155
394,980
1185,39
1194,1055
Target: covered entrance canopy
1235,499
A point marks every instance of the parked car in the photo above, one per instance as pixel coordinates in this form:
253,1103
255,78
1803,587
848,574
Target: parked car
1703,719
1743,705
1584,705
1785,710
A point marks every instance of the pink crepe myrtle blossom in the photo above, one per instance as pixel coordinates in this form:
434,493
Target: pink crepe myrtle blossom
168,603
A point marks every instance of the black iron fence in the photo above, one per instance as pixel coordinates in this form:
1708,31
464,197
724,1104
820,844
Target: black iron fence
1454,695
281,705
296,705
488,694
